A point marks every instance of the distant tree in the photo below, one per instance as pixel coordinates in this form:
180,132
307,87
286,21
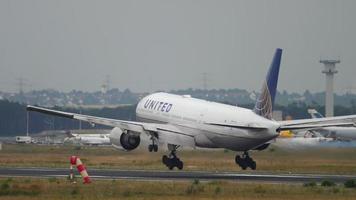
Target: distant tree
353,105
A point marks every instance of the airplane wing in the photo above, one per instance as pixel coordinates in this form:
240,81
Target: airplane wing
240,126
166,133
348,120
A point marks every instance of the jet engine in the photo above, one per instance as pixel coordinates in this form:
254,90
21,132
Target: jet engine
262,147
124,140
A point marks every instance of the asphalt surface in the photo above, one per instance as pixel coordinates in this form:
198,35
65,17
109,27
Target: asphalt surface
175,175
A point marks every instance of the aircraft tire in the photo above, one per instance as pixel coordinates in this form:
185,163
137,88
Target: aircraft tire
180,165
165,160
253,165
237,159
242,162
150,148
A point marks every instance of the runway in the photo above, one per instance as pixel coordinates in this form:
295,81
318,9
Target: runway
175,175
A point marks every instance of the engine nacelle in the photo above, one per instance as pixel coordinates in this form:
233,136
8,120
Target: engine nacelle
262,147
124,141
129,142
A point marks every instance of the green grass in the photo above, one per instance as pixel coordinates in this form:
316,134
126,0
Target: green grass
124,189
327,161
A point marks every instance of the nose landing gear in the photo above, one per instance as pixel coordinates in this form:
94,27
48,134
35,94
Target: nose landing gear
153,147
245,161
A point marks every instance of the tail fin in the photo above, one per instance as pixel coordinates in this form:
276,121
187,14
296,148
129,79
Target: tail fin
315,114
265,102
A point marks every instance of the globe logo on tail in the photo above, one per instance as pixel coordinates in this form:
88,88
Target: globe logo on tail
263,106
265,101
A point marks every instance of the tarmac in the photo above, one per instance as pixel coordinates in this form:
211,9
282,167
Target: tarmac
109,174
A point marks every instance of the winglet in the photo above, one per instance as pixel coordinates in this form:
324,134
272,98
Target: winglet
49,111
265,102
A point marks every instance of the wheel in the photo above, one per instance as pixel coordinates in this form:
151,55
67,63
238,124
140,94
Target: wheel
150,148
171,163
237,159
180,165
155,148
248,159
243,164
165,160
253,165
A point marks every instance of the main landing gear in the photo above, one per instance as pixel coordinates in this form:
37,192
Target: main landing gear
245,161
172,160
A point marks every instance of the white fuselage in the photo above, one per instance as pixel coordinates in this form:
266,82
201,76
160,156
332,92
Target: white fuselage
194,116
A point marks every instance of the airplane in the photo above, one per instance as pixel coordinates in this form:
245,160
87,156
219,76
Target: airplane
302,142
299,140
180,120
89,139
337,133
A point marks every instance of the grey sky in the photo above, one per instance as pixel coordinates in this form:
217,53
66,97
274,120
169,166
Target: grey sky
151,45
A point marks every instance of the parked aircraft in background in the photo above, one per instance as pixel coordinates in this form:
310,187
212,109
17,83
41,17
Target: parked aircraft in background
336,132
178,120
300,139
89,139
24,139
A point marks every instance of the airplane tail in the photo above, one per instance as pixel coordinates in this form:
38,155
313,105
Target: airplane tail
265,101
315,114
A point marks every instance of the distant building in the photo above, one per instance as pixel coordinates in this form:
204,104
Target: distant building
277,115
